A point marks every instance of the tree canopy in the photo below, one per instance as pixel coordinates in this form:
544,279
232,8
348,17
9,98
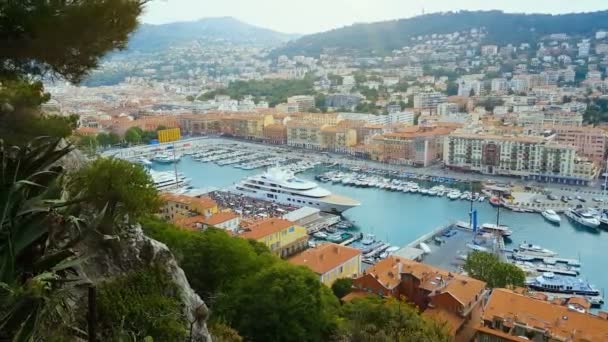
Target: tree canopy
117,185
488,267
384,320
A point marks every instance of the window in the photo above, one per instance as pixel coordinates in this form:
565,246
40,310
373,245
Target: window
341,269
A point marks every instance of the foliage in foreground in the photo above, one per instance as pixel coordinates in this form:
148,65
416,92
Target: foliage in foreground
118,185
376,319
140,304
268,299
487,267
38,227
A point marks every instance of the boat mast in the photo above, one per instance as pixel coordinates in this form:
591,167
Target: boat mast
497,215
175,167
471,209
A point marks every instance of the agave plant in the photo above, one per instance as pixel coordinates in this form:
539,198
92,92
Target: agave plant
36,236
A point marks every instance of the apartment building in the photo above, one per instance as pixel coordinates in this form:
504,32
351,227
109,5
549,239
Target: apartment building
447,297
499,86
284,238
549,118
275,134
247,126
590,142
304,102
528,157
337,138
330,262
512,317
428,102
178,206
304,134
200,124
417,145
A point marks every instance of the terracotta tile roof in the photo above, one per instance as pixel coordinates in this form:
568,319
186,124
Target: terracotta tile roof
220,218
87,130
204,202
558,321
265,228
325,257
462,288
190,223
452,321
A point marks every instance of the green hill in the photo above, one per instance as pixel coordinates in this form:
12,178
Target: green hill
502,28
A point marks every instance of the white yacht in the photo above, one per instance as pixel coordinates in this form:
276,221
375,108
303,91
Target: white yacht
494,228
277,185
583,217
551,216
535,250
167,180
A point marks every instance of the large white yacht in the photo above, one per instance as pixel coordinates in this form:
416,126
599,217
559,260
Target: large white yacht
281,186
167,180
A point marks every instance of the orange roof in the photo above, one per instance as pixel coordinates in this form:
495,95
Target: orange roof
220,217
189,222
325,257
203,202
452,321
462,288
558,321
87,130
266,227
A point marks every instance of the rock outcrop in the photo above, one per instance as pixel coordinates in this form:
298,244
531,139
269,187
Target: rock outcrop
133,251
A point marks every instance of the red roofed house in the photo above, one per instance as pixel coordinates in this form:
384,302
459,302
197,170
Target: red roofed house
331,262
444,296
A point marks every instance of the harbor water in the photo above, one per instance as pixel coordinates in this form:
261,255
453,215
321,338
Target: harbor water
400,218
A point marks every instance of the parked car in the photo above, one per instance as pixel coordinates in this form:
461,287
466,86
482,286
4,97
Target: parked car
552,197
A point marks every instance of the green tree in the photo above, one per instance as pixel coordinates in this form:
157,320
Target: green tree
387,320
103,139
133,135
281,303
39,40
119,186
341,287
212,260
113,138
88,144
488,267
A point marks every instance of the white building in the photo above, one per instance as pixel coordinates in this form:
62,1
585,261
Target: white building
444,109
304,102
429,101
528,157
499,85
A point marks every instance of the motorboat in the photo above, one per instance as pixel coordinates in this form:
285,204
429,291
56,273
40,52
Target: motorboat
551,282
583,217
535,250
494,228
368,239
495,201
551,216
320,235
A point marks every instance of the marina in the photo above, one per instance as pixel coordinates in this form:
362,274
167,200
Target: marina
401,217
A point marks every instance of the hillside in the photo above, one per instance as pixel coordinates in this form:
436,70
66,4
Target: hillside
154,37
502,28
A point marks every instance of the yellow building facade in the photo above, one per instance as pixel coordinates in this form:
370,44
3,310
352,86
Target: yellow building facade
282,237
330,262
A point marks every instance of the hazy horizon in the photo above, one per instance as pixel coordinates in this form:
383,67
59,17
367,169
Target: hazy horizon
313,16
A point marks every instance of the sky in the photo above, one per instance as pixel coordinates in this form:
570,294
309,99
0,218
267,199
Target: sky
310,16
